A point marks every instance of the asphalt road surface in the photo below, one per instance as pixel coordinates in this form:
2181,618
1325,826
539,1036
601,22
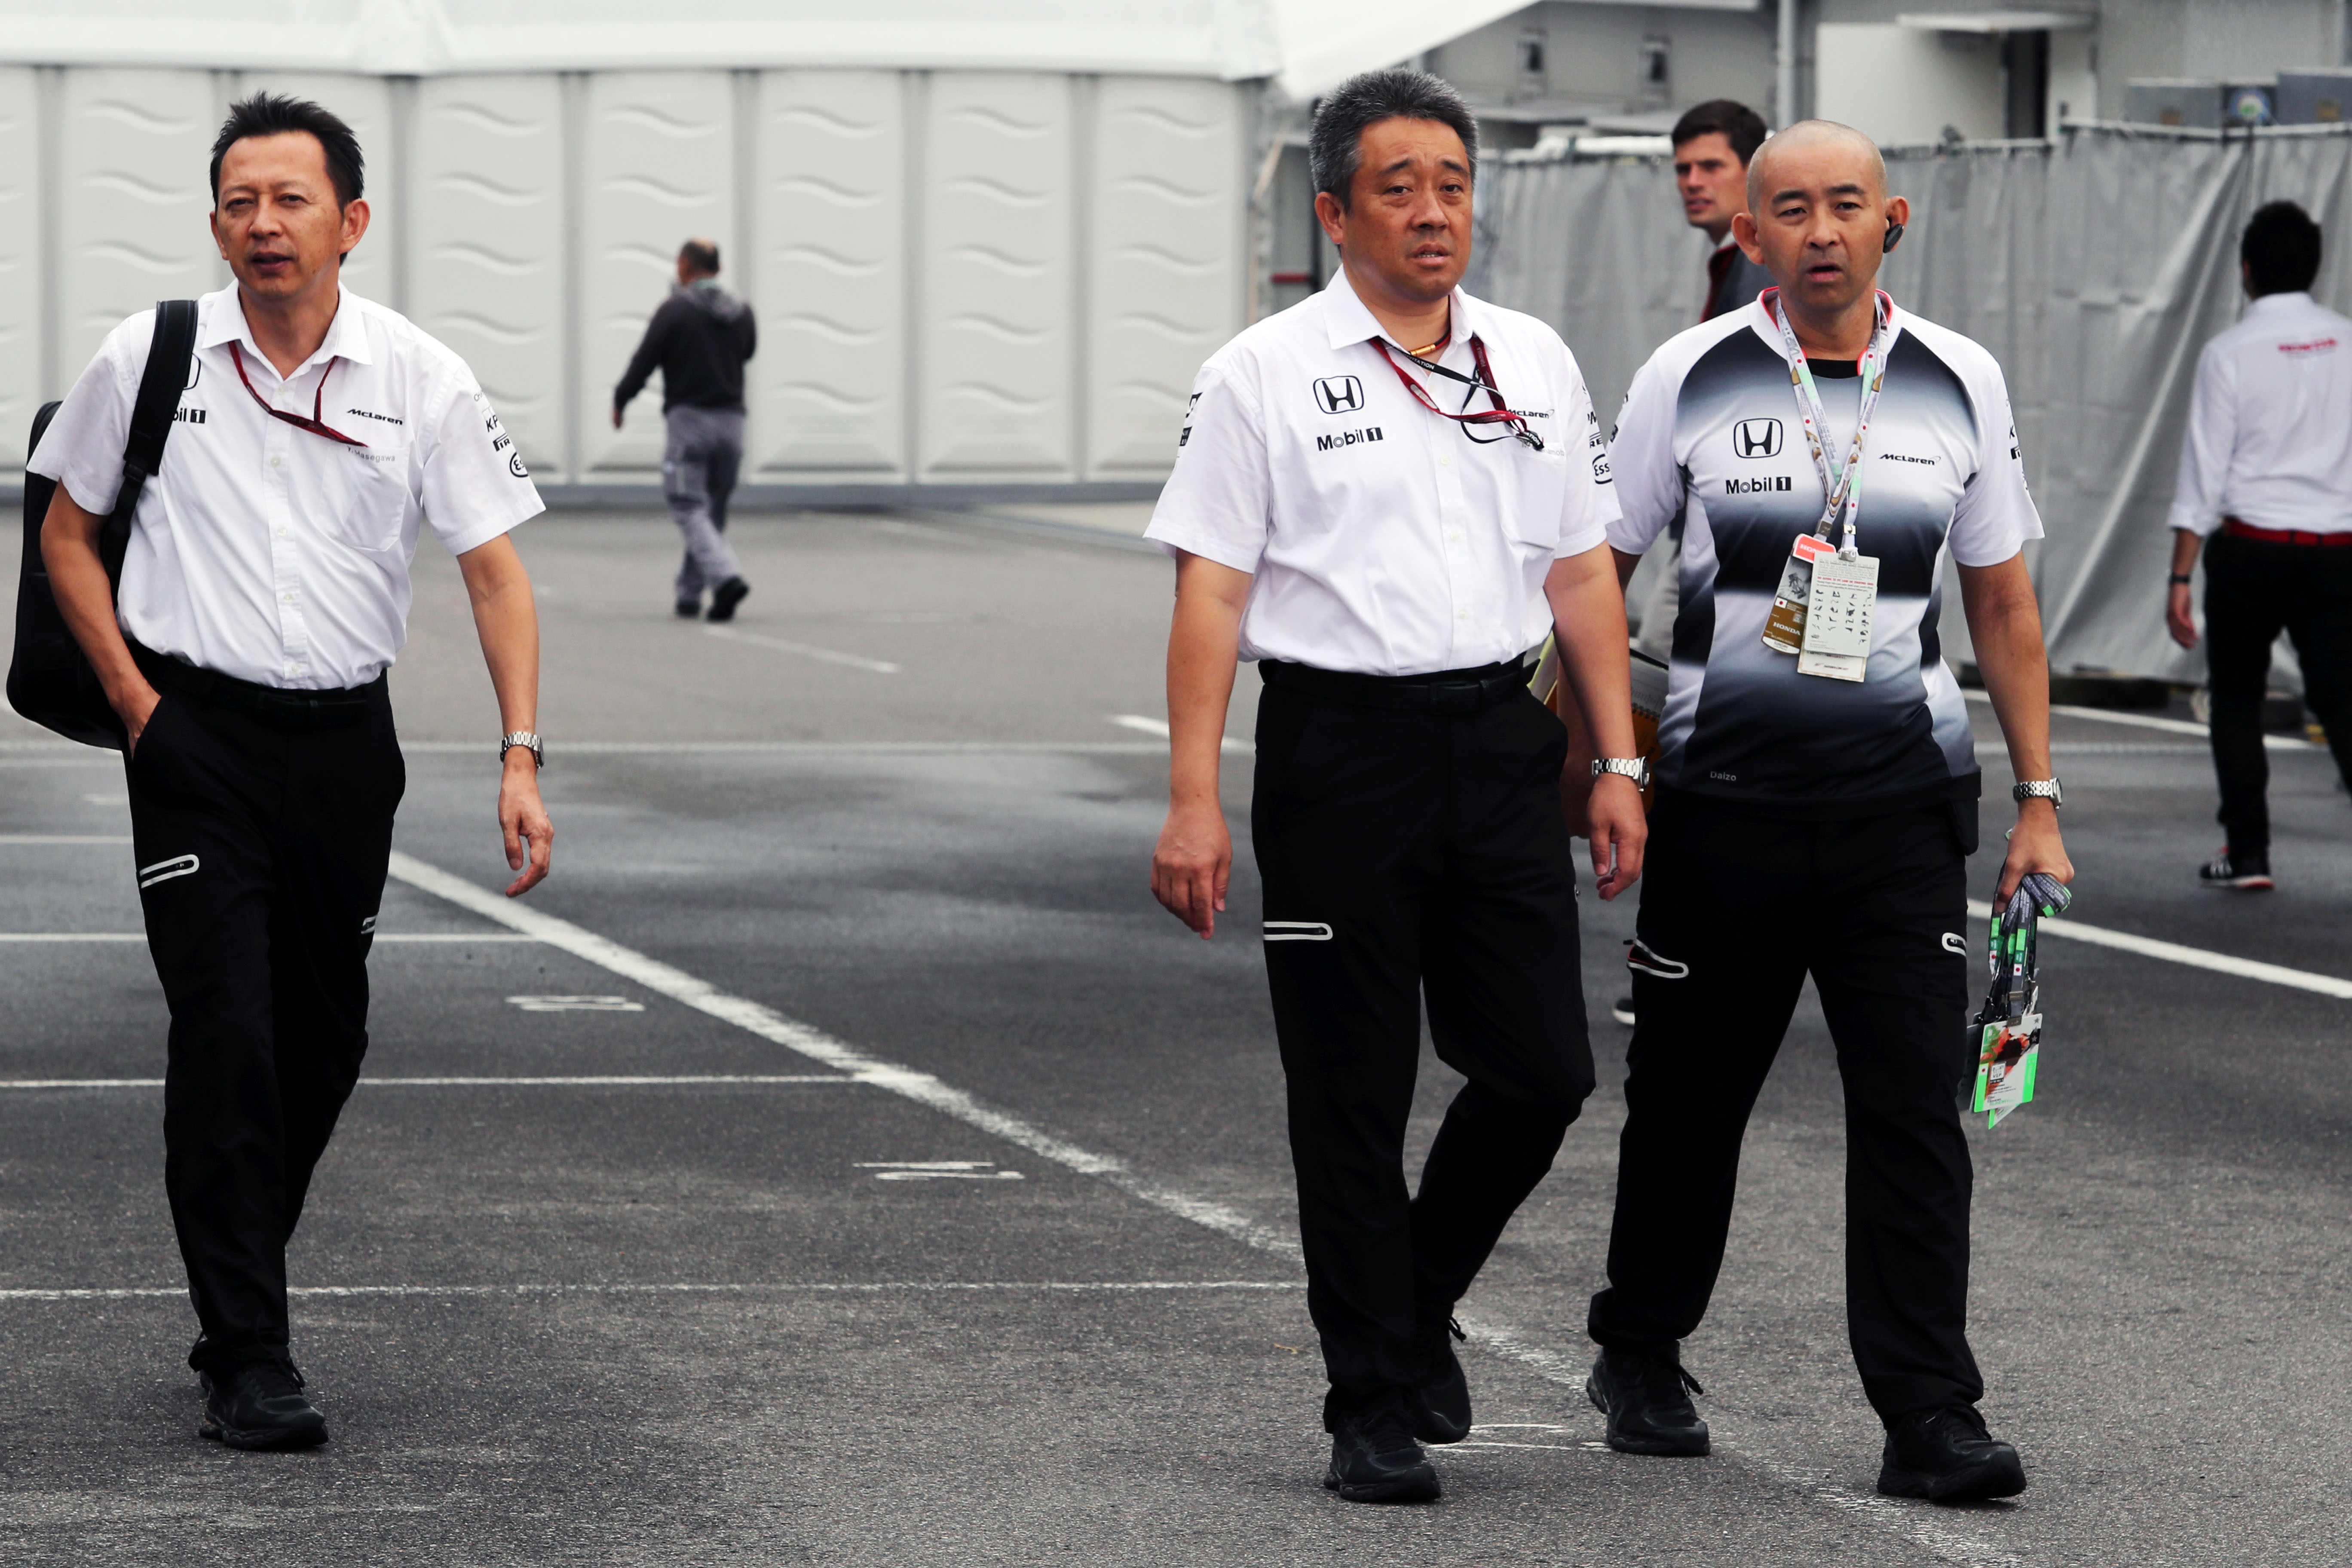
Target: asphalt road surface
840,1160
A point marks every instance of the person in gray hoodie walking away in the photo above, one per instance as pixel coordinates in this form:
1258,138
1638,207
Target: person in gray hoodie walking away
700,339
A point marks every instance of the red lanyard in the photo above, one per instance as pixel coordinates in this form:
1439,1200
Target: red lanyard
1501,413
313,423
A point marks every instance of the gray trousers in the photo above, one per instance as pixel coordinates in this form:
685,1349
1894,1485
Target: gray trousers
698,466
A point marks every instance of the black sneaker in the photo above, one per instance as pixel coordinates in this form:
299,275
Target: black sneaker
1375,1459
260,1405
2248,873
1947,1455
1441,1409
1621,1010
690,609
1646,1400
726,596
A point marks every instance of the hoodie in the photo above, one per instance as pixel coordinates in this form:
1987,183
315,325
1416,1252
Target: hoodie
700,339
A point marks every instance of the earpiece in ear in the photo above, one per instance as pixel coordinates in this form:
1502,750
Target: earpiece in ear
1894,233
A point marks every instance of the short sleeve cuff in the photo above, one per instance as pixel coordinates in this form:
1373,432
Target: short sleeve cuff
474,535
2189,519
1173,537
1581,539
1623,533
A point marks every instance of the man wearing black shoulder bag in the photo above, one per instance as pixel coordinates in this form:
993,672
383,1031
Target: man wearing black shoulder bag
263,575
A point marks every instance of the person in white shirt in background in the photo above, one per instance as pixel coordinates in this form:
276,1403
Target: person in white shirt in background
265,590
2266,475
1387,496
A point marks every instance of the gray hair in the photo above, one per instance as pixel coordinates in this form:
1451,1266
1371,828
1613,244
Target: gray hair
1335,143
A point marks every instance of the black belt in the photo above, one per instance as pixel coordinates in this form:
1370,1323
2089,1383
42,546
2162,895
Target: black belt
1446,691
282,707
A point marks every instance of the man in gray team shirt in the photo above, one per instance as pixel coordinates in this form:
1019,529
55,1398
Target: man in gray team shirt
700,339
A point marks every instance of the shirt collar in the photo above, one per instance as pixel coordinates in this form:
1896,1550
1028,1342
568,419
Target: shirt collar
221,320
1351,322
2289,300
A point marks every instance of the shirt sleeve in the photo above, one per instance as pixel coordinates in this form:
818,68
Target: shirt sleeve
1996,515
1217,500
82,448
2207,446
475,486
1590,503
1648,481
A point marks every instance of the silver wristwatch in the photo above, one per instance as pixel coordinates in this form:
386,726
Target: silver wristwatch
527,739
2039,789
1634,768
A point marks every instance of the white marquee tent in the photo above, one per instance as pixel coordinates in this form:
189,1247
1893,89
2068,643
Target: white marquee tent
988,244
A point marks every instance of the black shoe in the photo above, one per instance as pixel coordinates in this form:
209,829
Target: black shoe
1375,1459
1621,1010
728,594
1947,1455
1644,1397
260,1405
2247,873
690,609
1441,1406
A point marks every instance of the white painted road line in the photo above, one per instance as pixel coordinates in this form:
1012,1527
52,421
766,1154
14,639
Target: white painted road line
922,1088
806,748
830,655
817,1046
2195,957
65,838
606,1081
2154,722
428,936
780,1288
1159,727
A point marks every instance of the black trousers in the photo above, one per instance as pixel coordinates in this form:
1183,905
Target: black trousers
1736,911
261,852
1409,853
2253,591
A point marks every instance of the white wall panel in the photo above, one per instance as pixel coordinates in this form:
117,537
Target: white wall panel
365,103
21,388
1166,250
827,386
659,151
133,148
485,263
996,360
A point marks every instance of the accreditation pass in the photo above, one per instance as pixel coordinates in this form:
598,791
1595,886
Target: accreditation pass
1838,617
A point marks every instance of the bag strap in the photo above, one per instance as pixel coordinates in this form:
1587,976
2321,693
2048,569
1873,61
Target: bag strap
151,418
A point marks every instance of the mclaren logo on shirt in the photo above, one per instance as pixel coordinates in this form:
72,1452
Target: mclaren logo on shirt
1338,439
1757,439
1339,395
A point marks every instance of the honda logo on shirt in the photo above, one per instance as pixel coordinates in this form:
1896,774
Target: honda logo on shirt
1339,395
1757,438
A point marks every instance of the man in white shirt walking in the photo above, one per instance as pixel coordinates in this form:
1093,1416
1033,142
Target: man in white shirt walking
1387,496
2266,475
264,591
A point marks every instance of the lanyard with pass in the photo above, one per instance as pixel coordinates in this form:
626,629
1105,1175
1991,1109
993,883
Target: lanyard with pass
1502,413
1823,611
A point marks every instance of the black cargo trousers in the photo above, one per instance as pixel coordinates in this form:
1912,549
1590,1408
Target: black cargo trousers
1736,910
262,827
1409,839
2254,590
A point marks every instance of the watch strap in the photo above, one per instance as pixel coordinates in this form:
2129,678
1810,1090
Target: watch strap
528,738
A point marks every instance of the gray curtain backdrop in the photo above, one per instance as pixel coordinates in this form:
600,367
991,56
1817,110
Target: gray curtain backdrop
2094,268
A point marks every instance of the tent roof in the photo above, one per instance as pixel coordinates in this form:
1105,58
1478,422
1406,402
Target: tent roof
1306,45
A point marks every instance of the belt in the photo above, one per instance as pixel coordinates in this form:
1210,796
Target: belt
275,706
1448,691
2283,535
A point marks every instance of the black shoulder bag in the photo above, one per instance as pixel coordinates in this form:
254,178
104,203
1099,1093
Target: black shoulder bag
50,681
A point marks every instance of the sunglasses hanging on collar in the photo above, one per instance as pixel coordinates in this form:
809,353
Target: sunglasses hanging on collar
1500,413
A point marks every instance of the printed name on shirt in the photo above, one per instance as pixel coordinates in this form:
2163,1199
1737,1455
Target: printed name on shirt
372,414
1761,485
186,415
1333,442
2316,347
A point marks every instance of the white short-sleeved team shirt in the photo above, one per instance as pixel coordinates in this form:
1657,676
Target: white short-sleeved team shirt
269,552
1710,432
2270,425
1383,539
